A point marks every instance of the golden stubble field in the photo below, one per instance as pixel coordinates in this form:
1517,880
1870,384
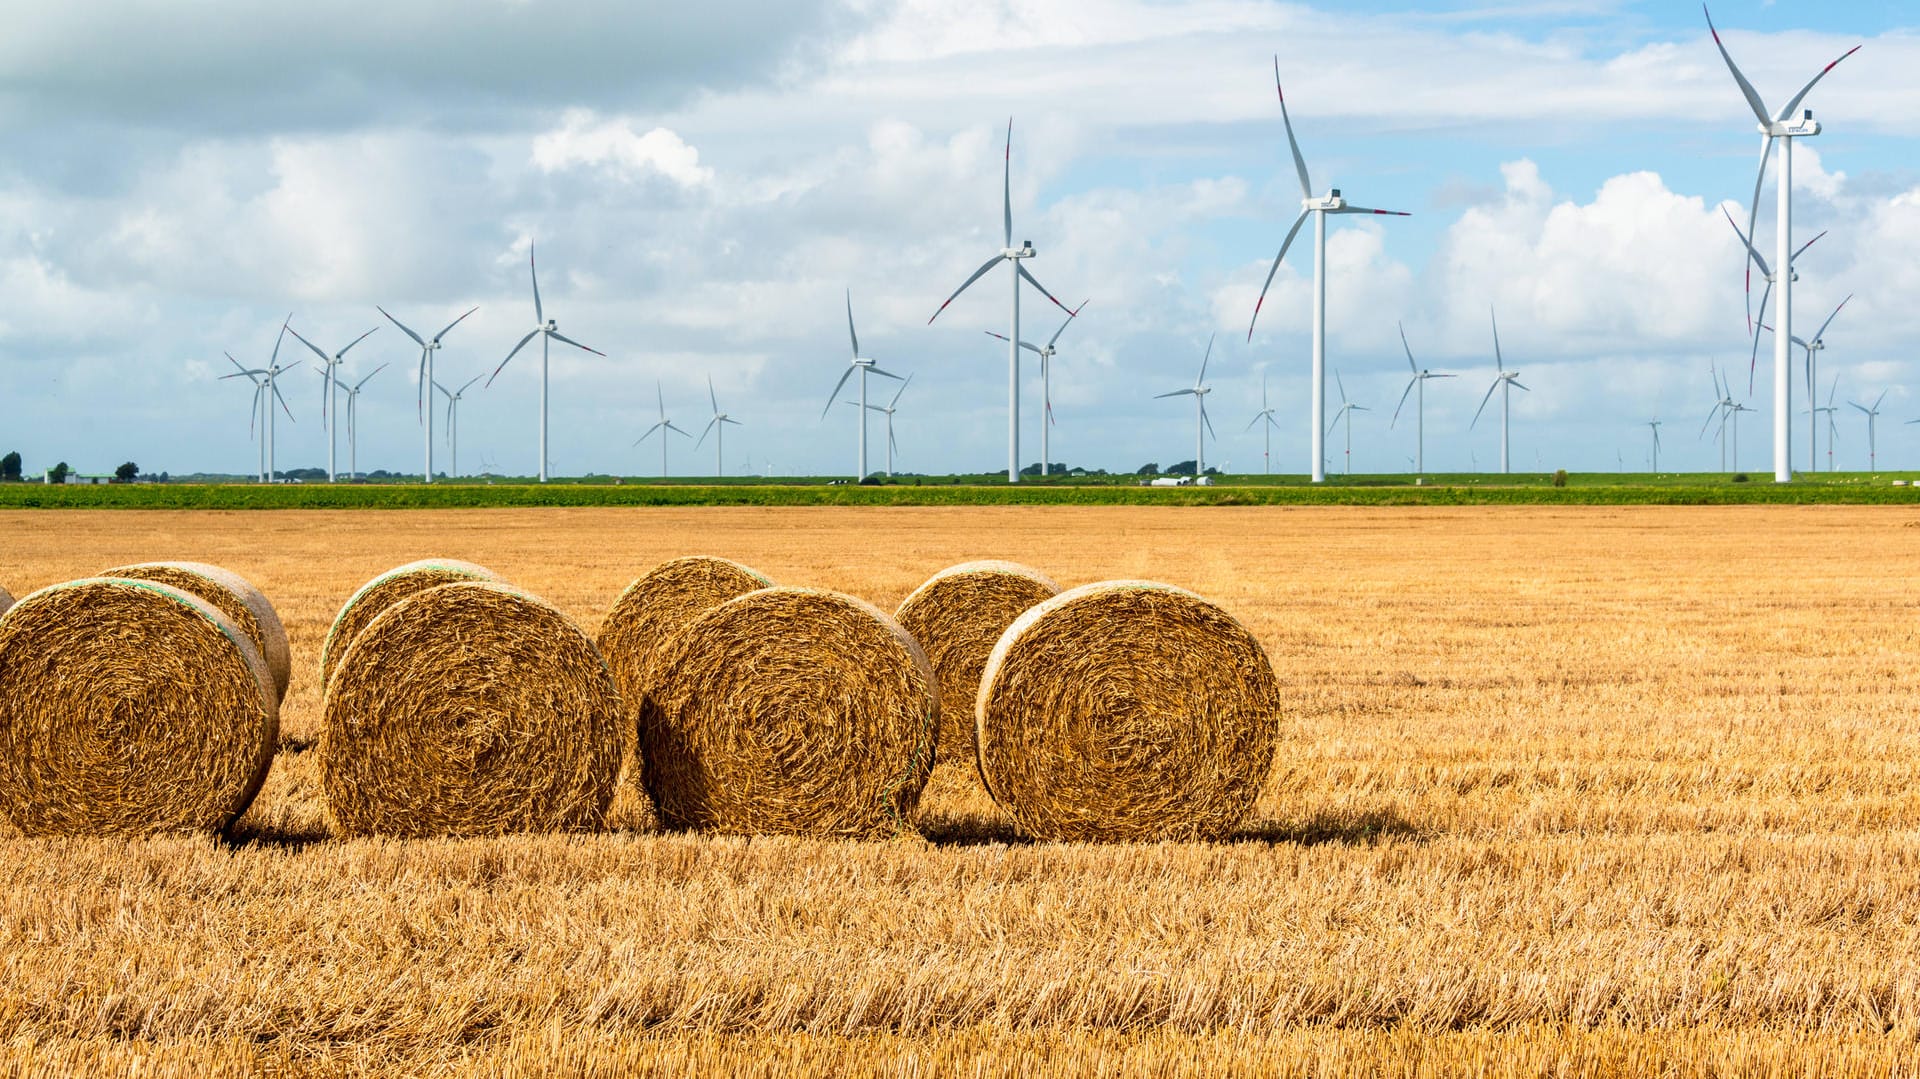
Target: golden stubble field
1572,791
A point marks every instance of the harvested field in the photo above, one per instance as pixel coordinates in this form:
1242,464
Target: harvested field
1583,790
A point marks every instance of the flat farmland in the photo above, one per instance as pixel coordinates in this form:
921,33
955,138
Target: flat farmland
1561,790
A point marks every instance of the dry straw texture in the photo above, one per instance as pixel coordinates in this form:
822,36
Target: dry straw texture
470,709
656,608
1127,710
791,711
384,591
128,708
957,616
233,596
6,600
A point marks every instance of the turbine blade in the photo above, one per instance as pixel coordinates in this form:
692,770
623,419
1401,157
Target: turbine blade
1877,400
516,351
1176,393
1006,187
1351,209
464,385
1203,362
882,374
1518,386
1753,253
977,275
909,378
1414,367
1068,321
309,344
1404,394
539,315
564,339
283,404
844,376
1284,244
1803,247
1299,163
1341,386
1759,181
1787,110
854,337
1753,96
1035,282
1753,359
713,397
456,322
703,432
1483,403
649,432
402,325
1830,318
1497,360
1206,420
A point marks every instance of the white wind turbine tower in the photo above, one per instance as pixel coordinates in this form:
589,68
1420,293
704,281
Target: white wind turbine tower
1013,256
1829,411
1872,414
1202,426
718,425
1785,126
353,428
427,349
1419,379
1654,426
1046,355
1347,408
863,365
1503,380
1319,207
892,407
665,425
548,331
1812,349
254,419
328,365
453,419
1265,413
267,379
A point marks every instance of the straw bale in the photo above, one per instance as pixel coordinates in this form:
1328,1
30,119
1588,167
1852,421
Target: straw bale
233,596
958,616
470,709
384,591
656,608
129,707
790,711
1126,710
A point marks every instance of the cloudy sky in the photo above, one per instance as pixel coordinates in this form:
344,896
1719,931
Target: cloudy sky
705,182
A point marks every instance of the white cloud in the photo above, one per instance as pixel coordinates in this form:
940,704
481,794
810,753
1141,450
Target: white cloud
585,139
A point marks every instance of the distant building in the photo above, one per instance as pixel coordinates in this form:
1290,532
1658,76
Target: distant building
83,479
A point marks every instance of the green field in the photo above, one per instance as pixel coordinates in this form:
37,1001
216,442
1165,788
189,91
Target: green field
1292,490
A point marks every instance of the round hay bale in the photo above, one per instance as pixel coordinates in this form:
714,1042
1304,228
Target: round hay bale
790,711
656,608
129,707
958,616
1127,710
384,591
470,709
233,596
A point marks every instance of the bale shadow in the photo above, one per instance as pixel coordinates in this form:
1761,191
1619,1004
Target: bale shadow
1352,829
243,836
972,831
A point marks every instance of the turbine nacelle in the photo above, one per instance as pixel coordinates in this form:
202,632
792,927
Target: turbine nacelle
1800,128
1332,202
1024,251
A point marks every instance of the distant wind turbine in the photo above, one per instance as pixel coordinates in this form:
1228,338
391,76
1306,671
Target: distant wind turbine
1013,256
863,365
1830,412
1766,272
453,418
1654,426
1785,126
1319,207
255,422
1419,379
267,380
1723,401
665,425
1266,430
717,425
891,407
427,349
1503,380
328,366
353,427
1046,354
1347,408
1872,414
1202,426
548,331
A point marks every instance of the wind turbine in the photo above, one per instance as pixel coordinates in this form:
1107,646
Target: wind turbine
1265,413
1766,272
548,331
328,363
663,427
1319,207
353,428
1046,354
1204,427
1872,414
1654,426
258,378
1783,125
1723,401
892,407
267,379
1502,380
427,349
863,365
1012,255
1833,425
453,418
1347,408
1419,379
718,425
